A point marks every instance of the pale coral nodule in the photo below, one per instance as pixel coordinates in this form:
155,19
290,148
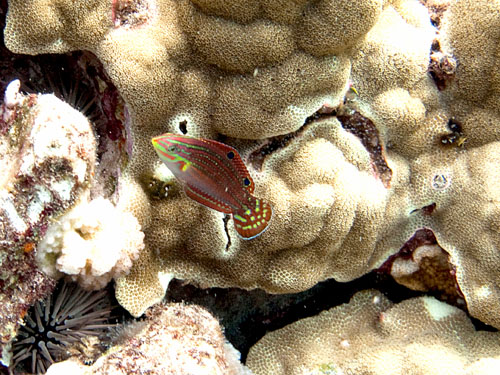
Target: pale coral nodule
92,243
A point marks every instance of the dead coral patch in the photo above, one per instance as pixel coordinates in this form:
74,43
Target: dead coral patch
131,13
442,66
364,128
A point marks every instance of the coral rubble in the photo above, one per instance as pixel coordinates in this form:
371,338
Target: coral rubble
174,339
48,159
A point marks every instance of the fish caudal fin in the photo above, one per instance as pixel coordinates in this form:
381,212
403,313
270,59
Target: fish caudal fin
252,222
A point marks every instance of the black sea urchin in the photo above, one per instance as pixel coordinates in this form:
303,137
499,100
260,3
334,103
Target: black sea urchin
59,324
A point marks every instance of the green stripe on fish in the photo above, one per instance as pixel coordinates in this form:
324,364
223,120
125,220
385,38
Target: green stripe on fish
214,175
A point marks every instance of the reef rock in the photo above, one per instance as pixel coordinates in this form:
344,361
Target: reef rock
353,177
174,339
47,158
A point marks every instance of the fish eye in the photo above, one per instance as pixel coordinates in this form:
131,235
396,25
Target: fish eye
230,155
246,181
173,148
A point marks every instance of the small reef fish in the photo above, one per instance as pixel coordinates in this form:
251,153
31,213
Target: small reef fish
214,175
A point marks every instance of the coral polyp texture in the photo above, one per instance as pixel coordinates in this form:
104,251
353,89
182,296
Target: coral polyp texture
371,335
357,175
173,339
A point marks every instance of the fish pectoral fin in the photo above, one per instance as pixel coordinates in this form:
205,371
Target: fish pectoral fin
203,198
254,221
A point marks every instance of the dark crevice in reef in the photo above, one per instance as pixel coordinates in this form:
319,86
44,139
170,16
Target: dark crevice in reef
248,315
352,121
364,128
258,156
271,145
420,238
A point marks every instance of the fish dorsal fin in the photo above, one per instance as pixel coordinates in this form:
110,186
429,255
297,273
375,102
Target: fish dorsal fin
252,222
207,200
232,156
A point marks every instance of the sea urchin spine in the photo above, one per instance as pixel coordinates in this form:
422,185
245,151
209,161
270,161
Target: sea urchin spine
52,327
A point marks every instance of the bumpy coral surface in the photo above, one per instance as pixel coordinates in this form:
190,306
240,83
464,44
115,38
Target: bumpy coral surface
370,335
47,158
353,184
92,243
174,339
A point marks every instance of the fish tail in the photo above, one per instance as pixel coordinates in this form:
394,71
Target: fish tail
253,221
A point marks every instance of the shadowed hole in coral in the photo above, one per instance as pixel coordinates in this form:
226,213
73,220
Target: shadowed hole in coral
183,126
158,189
364,128
456,137
435,273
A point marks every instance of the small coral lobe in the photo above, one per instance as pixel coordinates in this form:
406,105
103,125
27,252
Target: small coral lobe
364,128
59,326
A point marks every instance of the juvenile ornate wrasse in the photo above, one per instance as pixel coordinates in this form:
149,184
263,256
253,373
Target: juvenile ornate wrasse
214,175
